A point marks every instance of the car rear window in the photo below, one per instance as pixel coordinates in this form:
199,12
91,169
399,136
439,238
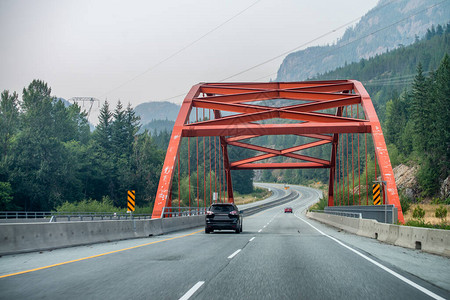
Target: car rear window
222,208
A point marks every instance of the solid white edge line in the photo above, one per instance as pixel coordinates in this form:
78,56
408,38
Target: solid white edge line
234,254
192,290
402,278
252,239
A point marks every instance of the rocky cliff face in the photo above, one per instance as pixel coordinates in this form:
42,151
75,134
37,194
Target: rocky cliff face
445,188
405,178
368,37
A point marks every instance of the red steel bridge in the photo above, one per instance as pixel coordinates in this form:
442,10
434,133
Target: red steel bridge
337,115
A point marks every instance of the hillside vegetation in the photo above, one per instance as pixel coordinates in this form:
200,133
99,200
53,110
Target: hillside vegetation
410,89
49,158
389,25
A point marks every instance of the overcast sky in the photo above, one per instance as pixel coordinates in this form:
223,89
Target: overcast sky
107,49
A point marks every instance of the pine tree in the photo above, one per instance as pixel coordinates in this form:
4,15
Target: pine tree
9,120
103,131
42,170
419,108
440,137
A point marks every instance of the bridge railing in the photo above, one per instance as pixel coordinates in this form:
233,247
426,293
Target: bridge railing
48,216
169,212
341,213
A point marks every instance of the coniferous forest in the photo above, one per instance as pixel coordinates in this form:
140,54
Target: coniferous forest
410,89
49,157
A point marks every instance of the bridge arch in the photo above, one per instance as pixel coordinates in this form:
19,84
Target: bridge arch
318,110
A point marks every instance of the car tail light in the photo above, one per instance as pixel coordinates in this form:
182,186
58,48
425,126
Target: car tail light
209,214
233,213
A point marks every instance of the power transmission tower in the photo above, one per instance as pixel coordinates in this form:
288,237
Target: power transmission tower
90,101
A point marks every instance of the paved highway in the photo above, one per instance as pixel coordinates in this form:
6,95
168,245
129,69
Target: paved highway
278,256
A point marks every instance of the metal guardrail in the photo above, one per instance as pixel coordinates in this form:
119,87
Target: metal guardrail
169,212
48,216
341,213
381,213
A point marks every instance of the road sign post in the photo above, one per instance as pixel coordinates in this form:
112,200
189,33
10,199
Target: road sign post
131,203
131,200
377,194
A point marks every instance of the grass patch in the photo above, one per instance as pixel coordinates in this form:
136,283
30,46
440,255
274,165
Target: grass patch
323,202
257,195
429,213
421,223
104,206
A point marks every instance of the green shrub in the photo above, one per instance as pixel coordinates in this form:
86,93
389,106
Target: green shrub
441,212
405,203
435,200
260,193
90,205
147,210
321,204
421,223
5,196
418,213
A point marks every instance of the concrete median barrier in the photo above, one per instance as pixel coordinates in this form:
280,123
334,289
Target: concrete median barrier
17,238
28,237
436,241
347,224
179,223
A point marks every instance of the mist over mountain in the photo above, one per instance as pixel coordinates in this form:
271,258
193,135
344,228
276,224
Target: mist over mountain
157,126
149,111
389,25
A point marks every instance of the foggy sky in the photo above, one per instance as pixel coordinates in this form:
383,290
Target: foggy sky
94,48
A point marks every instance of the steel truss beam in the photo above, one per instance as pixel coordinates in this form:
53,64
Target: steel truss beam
308,115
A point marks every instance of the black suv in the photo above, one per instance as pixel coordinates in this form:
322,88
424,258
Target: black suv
223,216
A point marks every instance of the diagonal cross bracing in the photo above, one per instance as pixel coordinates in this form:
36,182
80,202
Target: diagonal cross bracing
324,114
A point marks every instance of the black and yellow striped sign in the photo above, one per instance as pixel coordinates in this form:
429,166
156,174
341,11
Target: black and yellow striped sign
376,194
131,200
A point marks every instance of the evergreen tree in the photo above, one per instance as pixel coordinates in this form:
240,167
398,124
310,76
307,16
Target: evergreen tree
440,113
419,109
102,133
9,120
42,168
100,181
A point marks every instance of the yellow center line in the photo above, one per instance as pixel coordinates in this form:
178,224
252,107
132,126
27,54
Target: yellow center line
98,255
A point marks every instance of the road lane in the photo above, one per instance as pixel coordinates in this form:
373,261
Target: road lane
291,260
280,257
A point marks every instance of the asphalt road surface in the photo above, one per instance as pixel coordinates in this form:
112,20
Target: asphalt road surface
277,256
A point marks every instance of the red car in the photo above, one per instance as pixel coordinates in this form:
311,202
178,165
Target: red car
288,210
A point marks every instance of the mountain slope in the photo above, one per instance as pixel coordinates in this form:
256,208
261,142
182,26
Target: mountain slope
385,76
389,74
369,37
157,111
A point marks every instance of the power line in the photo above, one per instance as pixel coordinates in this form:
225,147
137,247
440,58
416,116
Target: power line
180,50
358,39
393,80
341,46
296,48
305,44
